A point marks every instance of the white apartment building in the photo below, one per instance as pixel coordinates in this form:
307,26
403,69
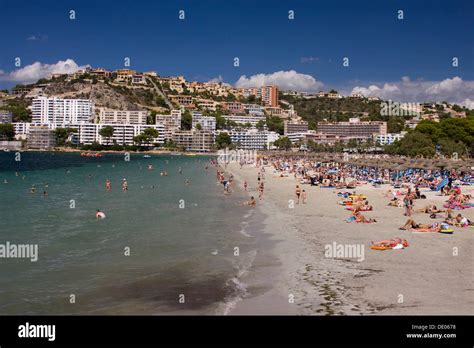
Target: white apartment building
61,112
88,133
252,119
171,123
252,139
5,116
122,116
254,109
208,123
41,137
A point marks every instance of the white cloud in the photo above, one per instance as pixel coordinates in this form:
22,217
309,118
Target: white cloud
39,37
468,103
217,79
309,59
285,80
453,90
34,72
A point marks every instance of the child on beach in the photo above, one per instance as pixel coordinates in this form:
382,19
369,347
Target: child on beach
303,196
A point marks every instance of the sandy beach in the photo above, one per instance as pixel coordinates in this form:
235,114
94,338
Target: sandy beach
292,275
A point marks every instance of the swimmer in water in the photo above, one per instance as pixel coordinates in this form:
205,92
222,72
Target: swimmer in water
251,202
187,182
33,189
180,171
108,185
124,185
89,176
99,215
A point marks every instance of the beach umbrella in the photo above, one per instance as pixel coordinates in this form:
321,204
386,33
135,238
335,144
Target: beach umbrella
465,169
441,163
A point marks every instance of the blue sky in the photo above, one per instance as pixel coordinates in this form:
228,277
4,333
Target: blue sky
381,48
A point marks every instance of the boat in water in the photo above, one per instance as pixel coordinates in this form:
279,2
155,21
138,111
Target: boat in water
91,154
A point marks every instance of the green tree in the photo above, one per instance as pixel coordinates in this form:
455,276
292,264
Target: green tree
260,125
275,124
107,132
283,143
7,131
62,134
221,122
223,140
413,144
186,120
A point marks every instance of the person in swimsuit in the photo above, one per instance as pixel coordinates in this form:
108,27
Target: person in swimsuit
436,227
124,185
252,202
298,194
107,185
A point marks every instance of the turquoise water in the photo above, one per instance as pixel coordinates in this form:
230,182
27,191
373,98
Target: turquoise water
173,251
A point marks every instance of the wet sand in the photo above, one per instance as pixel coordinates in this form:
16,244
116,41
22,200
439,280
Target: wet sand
434,275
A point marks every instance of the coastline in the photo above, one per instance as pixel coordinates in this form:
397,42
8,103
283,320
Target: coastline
426,278
153,152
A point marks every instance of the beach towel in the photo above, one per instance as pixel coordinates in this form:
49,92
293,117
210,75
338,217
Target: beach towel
420,230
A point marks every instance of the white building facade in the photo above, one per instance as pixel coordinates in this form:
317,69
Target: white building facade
62,112
252,139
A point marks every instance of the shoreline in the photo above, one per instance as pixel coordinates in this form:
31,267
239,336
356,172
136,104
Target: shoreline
426,278
153,152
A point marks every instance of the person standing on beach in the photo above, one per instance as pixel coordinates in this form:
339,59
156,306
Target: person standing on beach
408,202
260,191
303,196
245,185
298,194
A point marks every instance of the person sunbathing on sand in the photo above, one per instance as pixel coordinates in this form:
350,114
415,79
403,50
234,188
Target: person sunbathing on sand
459,220
430,209
362,206
436,227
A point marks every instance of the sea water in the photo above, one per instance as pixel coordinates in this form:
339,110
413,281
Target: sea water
165,247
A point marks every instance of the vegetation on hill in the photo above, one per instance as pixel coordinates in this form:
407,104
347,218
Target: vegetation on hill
19,109
450,135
